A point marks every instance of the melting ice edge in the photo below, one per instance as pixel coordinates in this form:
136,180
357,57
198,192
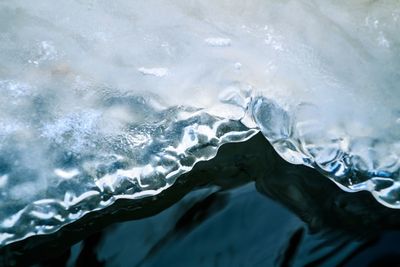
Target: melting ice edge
107,101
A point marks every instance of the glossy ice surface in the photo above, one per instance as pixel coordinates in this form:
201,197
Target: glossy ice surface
103,100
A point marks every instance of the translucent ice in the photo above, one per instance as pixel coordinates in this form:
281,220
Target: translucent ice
103,100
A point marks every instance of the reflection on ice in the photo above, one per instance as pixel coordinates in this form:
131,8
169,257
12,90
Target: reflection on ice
101,100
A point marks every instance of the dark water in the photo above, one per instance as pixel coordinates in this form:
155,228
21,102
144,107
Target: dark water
246,207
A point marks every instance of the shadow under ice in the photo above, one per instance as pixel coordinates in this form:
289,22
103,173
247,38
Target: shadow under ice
213,216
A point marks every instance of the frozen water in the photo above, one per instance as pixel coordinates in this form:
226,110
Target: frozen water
103,100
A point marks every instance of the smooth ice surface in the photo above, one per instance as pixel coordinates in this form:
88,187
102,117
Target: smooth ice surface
103,100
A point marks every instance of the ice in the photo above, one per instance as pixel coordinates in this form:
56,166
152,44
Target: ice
101,100
218,42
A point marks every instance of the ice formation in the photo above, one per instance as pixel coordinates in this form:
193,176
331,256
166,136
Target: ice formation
103,100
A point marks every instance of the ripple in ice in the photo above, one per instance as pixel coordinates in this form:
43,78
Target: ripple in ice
101,100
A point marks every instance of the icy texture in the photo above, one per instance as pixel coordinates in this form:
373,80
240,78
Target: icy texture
103,100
